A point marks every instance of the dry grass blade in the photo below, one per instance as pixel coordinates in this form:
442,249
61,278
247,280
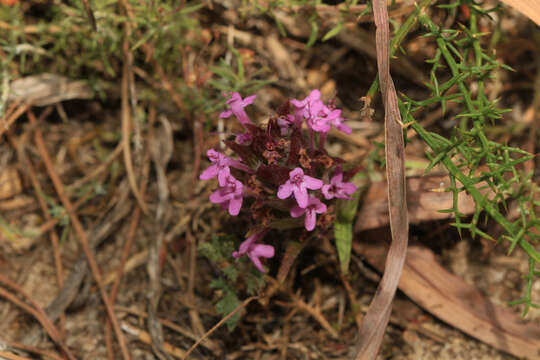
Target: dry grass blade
376,319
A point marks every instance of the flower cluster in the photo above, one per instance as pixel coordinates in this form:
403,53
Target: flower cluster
277,171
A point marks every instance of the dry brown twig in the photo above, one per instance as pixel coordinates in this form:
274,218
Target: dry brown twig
127,121
35,310
35,350
55,241
207,343
128,244
219,324
81,234
10,356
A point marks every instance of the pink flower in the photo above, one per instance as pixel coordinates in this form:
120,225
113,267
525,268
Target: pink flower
335,119
220,166
230,194
301,106
237,105
285,122
314,207
244,138
337,188
254,251
219,162
319,117
298,184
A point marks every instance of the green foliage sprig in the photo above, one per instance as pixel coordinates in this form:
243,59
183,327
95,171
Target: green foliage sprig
233,276
485,169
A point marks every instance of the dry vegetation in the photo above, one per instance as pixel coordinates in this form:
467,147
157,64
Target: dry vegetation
106,111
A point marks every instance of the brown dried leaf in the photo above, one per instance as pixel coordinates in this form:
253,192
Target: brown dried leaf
529,8
46,89
426,195
376,319
459,304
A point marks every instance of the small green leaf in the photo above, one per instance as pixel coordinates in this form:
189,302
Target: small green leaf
346,212
313,34
226,305
333,32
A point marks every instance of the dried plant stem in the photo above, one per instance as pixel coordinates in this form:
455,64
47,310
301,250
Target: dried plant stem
126,132
10,356
127,248
221,322
35,350
8,120
81,234
55,241
35,310
378,315
99,169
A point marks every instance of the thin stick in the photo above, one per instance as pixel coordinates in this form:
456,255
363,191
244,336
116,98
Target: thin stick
14,116
99,169
35,350
39,191
81,234
127,249
53,235
10,356
35,310
126,120
221,322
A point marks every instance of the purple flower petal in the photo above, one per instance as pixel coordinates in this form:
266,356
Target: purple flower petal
344,128
327,191
209,173
266,251
235,205
310,220
338,178
285,190
349,188
237,105
312,183
254,251
225,114
296,172
223,176
257,262
297,211
319,207
249,100
301,196
218,196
